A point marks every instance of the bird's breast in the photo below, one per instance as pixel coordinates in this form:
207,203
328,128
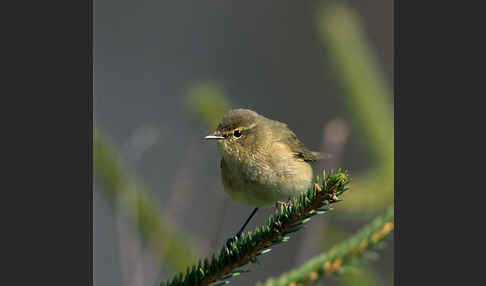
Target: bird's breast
261,183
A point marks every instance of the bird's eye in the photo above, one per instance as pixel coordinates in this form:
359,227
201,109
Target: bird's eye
237,133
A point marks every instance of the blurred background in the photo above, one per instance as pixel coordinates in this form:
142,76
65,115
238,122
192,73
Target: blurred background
164,74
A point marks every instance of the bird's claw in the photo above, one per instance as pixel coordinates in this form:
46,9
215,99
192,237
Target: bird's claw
287,203
230,241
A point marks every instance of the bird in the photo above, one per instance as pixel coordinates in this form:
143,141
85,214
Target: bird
263,163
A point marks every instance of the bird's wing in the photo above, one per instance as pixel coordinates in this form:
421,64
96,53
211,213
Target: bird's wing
286,136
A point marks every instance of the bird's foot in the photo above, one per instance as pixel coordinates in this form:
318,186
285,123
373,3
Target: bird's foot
230,241
287,203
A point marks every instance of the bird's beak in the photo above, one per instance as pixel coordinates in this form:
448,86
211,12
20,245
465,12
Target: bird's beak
214,136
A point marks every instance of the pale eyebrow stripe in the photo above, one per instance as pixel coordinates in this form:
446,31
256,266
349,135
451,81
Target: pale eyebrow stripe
243,129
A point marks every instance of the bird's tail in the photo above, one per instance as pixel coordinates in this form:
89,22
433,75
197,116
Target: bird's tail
321,155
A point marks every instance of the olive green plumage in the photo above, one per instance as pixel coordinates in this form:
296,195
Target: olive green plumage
262,159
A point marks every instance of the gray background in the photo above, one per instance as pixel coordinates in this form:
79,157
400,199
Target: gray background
266,55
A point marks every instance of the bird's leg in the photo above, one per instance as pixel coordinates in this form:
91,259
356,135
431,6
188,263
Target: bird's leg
238,234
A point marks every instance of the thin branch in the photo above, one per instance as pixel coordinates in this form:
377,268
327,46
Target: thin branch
340,256
289,218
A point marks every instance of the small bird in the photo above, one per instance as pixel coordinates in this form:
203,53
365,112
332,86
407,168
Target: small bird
262,161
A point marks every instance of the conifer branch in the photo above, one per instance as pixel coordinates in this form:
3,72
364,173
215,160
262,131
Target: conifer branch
289,218
339,257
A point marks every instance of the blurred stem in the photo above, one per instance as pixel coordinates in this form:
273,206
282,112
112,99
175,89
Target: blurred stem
170,244
364,276
341,256
208,102
367,94
368,99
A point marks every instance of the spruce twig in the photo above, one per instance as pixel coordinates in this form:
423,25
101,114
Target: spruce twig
341,256
289,218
